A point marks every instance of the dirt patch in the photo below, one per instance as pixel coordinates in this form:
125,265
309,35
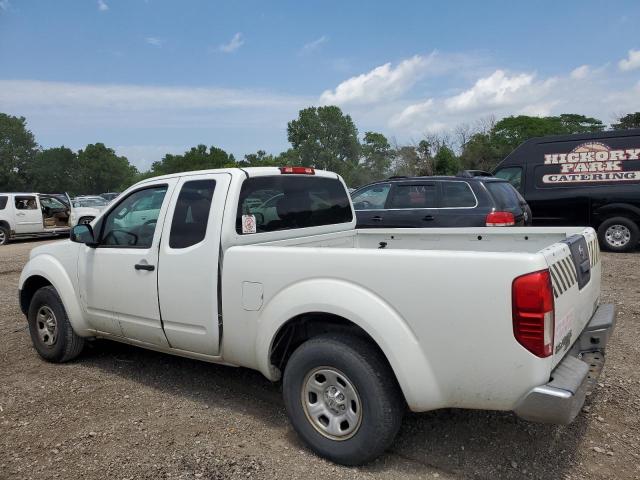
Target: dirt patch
123,412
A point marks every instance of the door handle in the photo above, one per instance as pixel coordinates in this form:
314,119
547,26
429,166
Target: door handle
144,266
20,214
427,218
377,218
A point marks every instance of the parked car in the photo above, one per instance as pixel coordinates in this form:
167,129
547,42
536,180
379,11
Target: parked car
587,179
28,214
471,199
86,208
109,196
357,323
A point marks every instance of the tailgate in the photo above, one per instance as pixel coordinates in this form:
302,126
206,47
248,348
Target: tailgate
575,270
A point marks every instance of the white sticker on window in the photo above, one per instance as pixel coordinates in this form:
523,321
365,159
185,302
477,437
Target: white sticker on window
248,224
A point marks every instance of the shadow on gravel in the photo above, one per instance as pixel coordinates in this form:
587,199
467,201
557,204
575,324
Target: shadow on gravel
465,443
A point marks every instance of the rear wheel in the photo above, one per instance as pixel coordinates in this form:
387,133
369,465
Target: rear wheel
51,332
618,234
4,235
342,398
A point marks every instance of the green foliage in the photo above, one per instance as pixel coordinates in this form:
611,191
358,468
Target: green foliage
101,170
445,162
626,122
56,170
198,158
325,138
17,150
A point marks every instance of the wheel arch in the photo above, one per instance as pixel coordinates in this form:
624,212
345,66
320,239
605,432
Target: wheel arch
617,209
326,305
44,270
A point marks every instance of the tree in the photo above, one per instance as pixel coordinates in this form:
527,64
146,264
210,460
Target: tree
198,158
445,162
628,121
55,170
325,138
17,149
101,170
376,156
259,159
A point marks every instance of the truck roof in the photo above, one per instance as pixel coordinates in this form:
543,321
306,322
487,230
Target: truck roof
248,171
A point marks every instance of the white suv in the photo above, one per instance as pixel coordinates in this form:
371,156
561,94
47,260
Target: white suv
33,214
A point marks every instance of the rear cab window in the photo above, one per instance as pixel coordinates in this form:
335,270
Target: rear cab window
286,202
3,202
513,175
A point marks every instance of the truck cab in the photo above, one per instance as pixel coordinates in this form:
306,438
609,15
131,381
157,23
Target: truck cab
28,214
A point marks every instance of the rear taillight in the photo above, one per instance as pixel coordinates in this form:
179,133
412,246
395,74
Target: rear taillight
500,219
298,170
533,315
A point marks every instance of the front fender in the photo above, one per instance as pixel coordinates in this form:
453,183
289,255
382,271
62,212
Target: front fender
53,271
371,313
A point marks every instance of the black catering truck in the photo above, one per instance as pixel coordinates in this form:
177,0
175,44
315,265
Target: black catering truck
585,179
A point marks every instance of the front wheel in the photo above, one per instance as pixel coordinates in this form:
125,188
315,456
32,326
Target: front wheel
342,398
618,234
51,332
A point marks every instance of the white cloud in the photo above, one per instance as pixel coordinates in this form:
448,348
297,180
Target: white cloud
581,72
234,44
155,41
631,62
494,90
314,45
102,6
413,111
4,5
33,93
381,83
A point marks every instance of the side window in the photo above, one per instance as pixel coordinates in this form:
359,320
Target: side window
26,203
190,218
3,202
513,175
372,198
457,195
414,196
132,223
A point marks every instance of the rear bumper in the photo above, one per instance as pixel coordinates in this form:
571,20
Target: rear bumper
560,400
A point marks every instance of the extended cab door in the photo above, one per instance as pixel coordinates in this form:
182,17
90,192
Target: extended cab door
119,278
189,263
28,214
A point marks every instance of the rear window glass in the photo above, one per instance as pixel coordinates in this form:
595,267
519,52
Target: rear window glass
504,194
414,196
3,202
457,195
285,202
191,215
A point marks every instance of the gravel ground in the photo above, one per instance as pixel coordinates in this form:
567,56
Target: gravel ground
121,412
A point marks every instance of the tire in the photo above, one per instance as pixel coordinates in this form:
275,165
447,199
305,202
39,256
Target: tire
379,406
51,333
618,234
4,235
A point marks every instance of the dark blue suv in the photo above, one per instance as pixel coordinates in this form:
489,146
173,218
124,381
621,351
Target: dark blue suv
470,199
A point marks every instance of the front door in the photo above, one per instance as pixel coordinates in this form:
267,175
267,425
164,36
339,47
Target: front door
28,214
120,290
189,258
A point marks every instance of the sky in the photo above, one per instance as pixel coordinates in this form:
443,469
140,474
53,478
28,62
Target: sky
150,77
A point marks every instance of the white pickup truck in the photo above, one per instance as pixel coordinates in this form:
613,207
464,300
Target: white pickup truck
358,324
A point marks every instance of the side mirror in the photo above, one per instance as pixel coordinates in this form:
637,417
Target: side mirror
83,233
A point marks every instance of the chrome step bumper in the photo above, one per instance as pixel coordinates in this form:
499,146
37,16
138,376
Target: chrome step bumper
560,400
